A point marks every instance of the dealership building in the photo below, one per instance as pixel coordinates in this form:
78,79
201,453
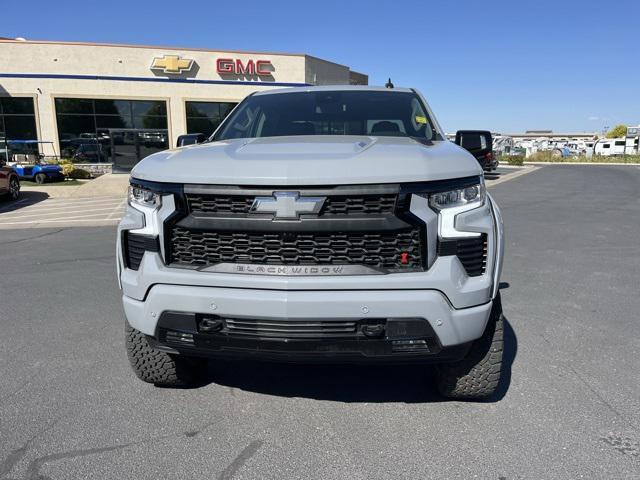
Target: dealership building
115,104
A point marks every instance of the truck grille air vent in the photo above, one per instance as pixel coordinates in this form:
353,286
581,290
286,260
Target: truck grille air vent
134,247
290,328
472,253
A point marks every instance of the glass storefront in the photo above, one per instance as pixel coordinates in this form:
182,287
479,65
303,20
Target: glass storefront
204,117
83,122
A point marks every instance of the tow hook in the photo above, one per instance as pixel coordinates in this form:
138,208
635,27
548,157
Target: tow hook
373,330
210,325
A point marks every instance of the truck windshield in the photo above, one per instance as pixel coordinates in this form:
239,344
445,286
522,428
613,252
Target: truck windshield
374,113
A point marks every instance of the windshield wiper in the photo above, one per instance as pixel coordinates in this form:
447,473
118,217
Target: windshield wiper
422,140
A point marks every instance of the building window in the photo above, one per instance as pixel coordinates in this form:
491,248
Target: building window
17,118
84,121
204,117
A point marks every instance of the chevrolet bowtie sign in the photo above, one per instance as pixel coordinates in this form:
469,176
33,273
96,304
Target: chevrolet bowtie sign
287,205
172,64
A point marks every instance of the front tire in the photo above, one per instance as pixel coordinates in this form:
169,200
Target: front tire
40,178
477,375
159,368
14,188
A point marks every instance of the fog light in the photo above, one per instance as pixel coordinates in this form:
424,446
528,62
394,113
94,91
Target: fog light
179,338
409,346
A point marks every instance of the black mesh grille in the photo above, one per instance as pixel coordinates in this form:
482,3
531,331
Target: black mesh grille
388,250
334,204
472,253
219,204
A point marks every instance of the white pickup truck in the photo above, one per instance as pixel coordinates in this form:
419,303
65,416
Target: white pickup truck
331,224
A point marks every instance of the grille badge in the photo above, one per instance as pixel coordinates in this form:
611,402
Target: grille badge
287,205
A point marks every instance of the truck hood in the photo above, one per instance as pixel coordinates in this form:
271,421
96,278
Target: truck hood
309,160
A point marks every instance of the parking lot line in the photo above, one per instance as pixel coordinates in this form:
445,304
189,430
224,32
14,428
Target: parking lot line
104,210
46,213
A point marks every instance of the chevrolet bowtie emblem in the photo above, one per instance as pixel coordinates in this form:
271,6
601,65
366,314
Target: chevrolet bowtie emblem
172,64
287,205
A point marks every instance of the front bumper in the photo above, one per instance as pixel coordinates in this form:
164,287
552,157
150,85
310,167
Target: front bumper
447,327
455,306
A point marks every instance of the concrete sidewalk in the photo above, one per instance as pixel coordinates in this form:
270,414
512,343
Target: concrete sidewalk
104,186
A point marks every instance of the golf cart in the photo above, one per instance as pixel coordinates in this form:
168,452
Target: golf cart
30,164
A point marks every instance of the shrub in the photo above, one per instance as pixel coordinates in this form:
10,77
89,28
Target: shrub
545,156
67,167
515,160
79,173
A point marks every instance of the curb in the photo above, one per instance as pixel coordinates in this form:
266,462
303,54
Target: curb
584,163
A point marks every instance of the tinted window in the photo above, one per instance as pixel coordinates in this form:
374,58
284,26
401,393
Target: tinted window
17,106
205,117
377,113
620,143
17,119
113,107
74,105
474,141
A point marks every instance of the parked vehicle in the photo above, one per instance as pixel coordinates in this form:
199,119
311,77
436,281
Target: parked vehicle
632,139
609,146
480,144
27,161
89,153
39,172
317,224
9,181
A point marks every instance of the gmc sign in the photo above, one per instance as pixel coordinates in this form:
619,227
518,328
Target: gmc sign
231,66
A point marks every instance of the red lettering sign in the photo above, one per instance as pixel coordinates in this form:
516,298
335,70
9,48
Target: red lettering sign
230,66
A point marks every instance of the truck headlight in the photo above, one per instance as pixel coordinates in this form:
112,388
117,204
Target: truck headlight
144,198
471,196
451,198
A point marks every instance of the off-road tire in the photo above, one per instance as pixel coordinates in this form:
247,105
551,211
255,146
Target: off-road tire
160,368
477,375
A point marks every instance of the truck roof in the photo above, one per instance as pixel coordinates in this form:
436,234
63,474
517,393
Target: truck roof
334,88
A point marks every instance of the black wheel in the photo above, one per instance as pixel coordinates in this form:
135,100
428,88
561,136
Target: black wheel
14,188
477,376
159,368
40,178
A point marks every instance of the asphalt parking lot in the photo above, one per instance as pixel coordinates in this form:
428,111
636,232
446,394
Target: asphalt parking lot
569,406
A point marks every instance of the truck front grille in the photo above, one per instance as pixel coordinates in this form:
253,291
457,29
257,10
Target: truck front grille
216,204
290,328
391,251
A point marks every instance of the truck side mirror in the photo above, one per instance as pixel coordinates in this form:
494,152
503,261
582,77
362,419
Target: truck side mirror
190,139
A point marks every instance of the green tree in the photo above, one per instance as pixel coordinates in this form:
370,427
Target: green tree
617,131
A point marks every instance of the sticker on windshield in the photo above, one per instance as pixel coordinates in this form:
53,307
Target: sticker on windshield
422,120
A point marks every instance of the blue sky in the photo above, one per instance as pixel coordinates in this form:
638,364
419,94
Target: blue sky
504,66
